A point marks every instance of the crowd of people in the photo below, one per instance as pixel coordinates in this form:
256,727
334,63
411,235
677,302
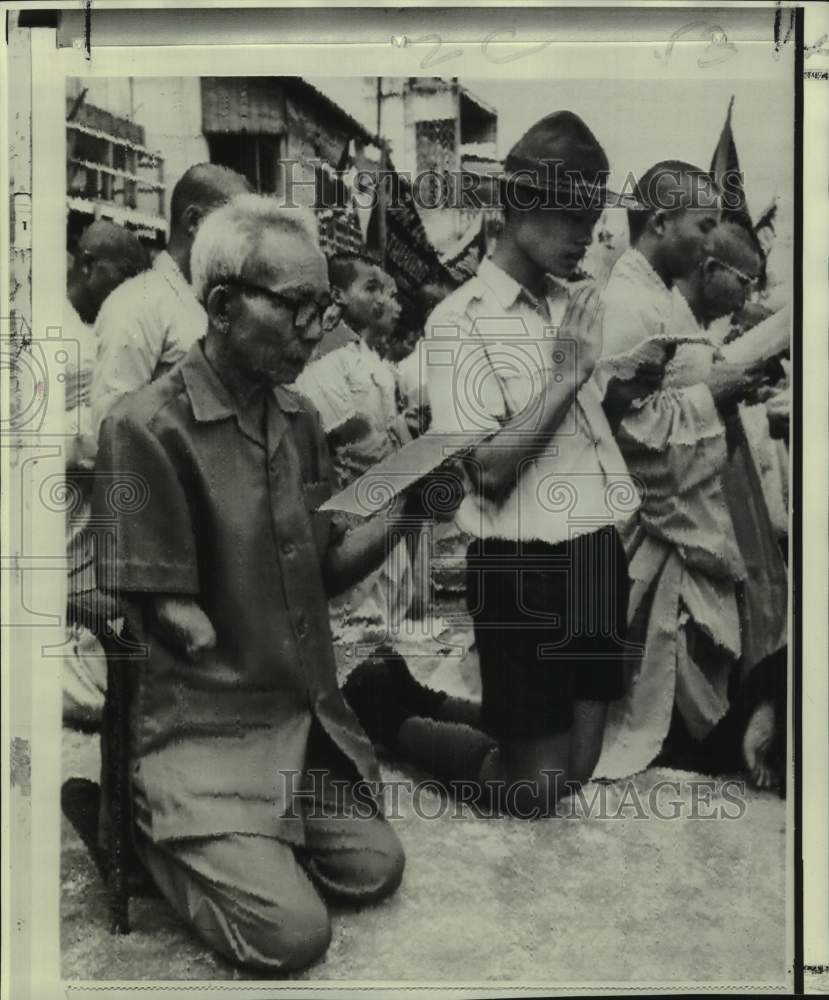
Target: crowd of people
626,585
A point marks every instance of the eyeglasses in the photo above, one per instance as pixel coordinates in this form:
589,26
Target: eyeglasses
304,311
745,280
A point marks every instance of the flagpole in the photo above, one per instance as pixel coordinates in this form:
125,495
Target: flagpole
381,189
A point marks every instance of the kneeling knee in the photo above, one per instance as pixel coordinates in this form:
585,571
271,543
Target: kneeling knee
367,873
384,868
283,940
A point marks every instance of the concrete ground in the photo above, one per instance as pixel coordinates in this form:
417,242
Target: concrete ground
617,896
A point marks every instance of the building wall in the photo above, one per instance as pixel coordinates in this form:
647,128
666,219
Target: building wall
169,109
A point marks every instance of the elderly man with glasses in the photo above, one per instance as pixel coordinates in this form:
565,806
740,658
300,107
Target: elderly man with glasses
252,779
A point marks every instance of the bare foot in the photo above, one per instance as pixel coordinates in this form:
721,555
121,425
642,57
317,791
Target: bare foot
757,743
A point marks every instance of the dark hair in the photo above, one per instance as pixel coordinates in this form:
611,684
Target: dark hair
341,269
650,186
207,185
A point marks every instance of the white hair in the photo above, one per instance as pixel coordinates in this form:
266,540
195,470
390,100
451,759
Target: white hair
230,237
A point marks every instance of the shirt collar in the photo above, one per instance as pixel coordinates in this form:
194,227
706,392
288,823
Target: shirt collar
508,291
209,399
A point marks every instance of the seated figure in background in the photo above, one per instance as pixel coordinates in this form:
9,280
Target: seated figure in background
106,256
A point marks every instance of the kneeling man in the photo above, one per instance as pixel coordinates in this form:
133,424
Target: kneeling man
252,779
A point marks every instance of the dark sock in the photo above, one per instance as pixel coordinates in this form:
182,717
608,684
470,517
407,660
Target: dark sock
450,751
462,710
383,694
419,698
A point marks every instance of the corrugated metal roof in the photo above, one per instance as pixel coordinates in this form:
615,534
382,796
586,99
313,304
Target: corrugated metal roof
299,85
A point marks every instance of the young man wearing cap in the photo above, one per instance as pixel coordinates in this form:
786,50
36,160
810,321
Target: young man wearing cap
512,353
682,546
245,757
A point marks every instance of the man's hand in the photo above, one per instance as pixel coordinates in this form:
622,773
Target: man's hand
729,383
582,324
183,624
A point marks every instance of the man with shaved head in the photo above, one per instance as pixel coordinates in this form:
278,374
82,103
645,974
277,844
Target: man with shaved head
720,287
729,270
106,256
678,207
152,321
681,546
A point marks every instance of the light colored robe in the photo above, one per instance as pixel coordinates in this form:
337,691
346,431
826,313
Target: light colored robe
684,562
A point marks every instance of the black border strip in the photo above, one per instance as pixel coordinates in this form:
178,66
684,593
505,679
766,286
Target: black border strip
796,502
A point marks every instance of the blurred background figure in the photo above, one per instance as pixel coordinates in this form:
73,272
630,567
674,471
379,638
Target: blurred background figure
354,389
152,321
387,328
106,256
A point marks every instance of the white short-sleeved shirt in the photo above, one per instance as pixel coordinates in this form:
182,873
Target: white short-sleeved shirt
80,446
489,349
144,328
351,380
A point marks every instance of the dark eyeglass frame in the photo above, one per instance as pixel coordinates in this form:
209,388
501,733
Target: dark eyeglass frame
299,315
745,280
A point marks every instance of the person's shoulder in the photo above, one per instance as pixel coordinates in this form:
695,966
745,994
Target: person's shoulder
142,296
153,406
144,287
297,400
459,307
333,340
471,291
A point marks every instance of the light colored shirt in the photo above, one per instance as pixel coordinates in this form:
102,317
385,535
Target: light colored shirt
351,380
638,304
354,381
674,440
80,445
144,328
411,379
489,350
78,372
683,556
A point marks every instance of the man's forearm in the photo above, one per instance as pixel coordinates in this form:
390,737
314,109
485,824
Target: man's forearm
494,466
362,550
